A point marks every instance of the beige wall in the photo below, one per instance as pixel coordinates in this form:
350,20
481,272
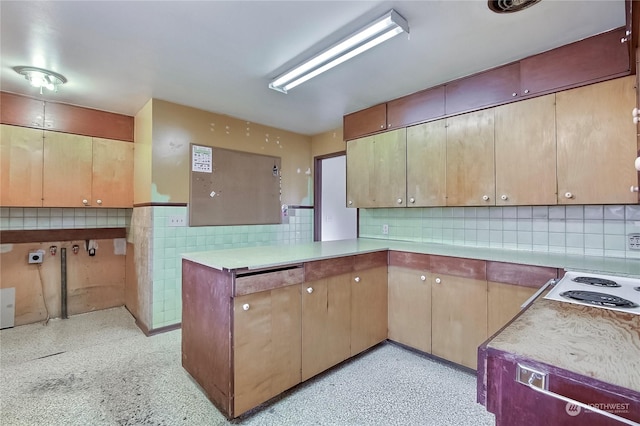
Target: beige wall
142,155
176,126
328,143
93,282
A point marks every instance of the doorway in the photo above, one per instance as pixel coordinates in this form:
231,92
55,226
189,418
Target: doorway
332,219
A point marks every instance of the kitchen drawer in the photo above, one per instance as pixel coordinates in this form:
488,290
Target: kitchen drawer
256,281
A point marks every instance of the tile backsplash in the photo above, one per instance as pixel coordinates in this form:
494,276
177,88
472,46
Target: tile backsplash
23,219
593,230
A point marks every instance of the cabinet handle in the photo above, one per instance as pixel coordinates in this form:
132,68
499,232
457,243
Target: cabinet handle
85,202
568,195
526,91
423,278
504,197
357,279
389,125
350,202
382,126
399,200
634,188
438,280
99,202
514,94
246,306
485,197
412,200
309,290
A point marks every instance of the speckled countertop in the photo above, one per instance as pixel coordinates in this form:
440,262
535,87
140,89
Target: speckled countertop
273,256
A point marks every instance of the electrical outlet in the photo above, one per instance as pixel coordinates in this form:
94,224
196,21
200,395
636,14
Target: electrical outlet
177,220
385,229
634,241
36,256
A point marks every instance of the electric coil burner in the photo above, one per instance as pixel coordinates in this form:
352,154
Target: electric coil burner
601,291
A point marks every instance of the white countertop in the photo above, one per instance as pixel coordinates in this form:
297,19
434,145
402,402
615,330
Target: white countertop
261,257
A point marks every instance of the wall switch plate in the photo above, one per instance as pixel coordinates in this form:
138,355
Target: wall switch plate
177,220
634,241
36,256
385,229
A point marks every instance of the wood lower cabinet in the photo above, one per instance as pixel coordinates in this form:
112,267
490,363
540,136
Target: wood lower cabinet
326,323
426,164
376,170
368,307
525,145
470,159
409,287
21,166
266,345
597,143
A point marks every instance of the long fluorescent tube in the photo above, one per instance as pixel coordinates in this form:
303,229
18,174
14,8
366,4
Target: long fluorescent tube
387,26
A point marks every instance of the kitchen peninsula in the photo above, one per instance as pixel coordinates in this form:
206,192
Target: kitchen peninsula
305,308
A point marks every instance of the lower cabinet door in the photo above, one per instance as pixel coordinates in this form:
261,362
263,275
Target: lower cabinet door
459,318
266,346
368,308
326,323
410,307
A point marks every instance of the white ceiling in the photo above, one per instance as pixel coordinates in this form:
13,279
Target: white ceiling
220,56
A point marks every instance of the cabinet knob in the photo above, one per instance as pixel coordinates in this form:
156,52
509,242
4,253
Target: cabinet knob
526,91
568,195
504,197
412,200
350,202
514,94
99,202
438,280
357,279
309,290
485,197
399,200
423,278
85,202
246,306
634,189
382,126
389,125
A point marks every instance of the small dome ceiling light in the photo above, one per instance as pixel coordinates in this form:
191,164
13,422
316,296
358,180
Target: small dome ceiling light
39,77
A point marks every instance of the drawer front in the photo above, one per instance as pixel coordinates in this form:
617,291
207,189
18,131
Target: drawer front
267,280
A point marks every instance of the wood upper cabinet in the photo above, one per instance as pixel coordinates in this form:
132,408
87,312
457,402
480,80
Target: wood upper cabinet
376,170
21,167
498,85
365,122
326,323
415,108
509,286
470,159
67,170
459,308
426,164
525,152
112,173
21,110
266,345
368,301
82,171
409,297
597,143
593,59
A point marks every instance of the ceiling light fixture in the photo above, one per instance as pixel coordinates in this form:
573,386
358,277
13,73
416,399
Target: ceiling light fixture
385,27
39,77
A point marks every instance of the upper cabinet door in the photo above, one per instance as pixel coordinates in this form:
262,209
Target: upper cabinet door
112,173
21,167
416,108
589,60
470,159
525,137
365,122
376,170
67,170
488,88
597,143
426,164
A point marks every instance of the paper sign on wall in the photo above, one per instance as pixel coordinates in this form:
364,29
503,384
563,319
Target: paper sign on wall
202,159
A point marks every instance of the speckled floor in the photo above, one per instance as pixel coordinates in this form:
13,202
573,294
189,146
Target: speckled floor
99,369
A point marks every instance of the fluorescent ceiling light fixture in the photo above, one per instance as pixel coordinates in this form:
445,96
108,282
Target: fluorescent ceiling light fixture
385,27
39,77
